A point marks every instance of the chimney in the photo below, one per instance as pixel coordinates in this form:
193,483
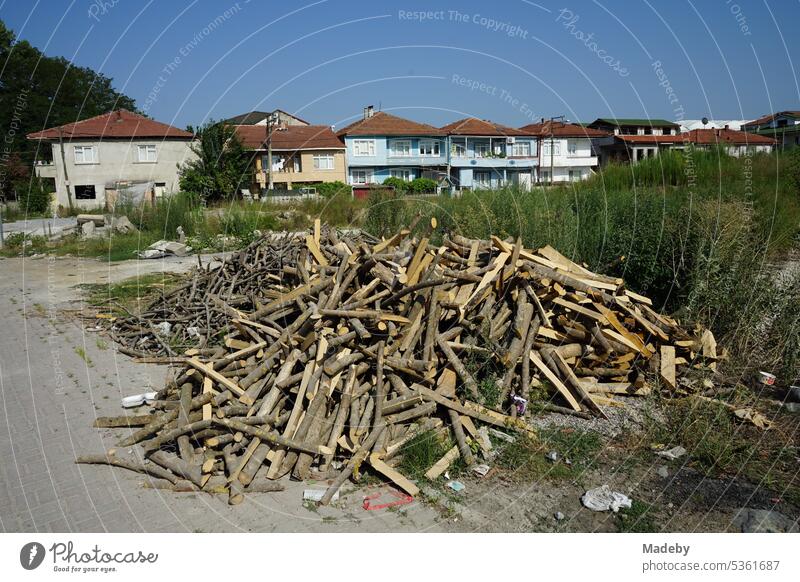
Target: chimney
727,126
368,111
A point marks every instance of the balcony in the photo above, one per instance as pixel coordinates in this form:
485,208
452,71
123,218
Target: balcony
45,169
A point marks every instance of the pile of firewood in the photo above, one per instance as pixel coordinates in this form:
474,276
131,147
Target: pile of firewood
321,353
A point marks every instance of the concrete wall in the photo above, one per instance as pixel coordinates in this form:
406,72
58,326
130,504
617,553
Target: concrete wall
117,161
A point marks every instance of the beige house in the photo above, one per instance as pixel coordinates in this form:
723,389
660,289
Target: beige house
97,160
302,155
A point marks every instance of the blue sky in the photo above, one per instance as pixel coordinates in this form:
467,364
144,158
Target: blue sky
512,61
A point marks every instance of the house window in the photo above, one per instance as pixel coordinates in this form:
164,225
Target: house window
459,149
483,179
147,153
404,175
362,176
521,149
551,148
364,147
323,161
544,175
429,148
482,149
400,148
574,175
572,147
85,192
85,155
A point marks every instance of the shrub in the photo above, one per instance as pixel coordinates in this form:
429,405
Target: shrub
423,186
333,189
33,196
400,186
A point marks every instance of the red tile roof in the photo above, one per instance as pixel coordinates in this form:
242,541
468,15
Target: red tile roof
726,136
561,129
114,125
293,137
482,127
382,123
701,137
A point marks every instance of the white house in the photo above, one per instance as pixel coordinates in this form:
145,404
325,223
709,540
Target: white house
98,159
692,124
567,152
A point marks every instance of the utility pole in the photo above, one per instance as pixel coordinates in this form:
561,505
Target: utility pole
552,119
270,120
64,165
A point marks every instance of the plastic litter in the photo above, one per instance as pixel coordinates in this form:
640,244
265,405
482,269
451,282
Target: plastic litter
317,494
481,470
163,328
603,498
673,453
456,486
138,399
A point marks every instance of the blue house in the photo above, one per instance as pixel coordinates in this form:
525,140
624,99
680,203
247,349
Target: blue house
484,155
381,145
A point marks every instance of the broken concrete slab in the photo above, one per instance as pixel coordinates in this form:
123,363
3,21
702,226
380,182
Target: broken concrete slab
164,248
96,219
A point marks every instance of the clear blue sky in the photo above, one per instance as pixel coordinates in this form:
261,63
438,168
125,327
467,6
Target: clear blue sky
512,61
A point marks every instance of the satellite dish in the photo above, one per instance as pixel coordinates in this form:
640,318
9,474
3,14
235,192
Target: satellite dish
705,120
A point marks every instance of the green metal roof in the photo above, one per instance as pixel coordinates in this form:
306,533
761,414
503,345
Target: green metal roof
649,122
773,131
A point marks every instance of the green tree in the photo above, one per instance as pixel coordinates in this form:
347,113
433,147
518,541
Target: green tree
221,167
37,92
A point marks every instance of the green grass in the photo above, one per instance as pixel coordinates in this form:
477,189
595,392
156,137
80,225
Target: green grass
719,445
84,356
638,518
131,294
421,453
525,460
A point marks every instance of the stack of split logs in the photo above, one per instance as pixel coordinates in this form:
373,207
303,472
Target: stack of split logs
336,353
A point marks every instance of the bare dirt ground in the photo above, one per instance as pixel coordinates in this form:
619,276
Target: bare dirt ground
55,378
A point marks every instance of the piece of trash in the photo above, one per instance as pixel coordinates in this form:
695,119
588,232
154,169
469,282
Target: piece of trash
766,378
552,456
481,470
138,399
559,516
567,462
164,328
501,435
663,471
400,498
193,331
603,498
317,495
754,417
484,441
520,403
456,486
673,453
